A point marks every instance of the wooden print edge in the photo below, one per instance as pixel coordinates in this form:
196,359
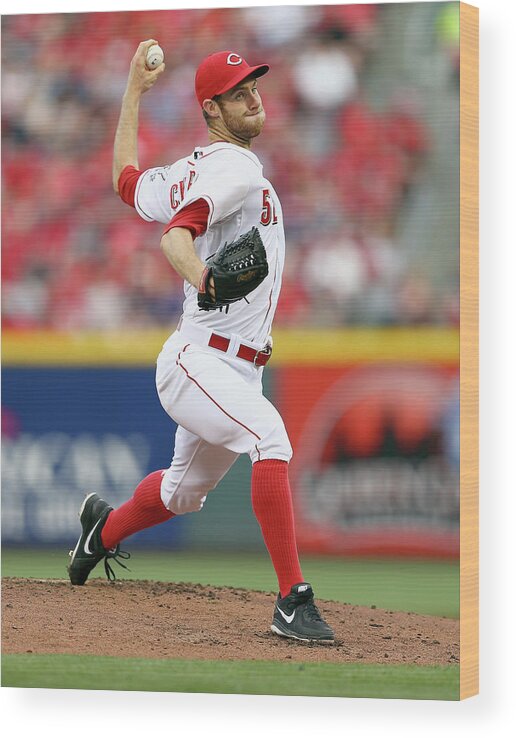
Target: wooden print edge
469,625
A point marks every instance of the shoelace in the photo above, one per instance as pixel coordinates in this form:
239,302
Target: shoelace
312,612
116,555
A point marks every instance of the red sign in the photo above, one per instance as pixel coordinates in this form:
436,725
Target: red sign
375,468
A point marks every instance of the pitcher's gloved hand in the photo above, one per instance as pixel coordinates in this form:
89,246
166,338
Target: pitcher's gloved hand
237,269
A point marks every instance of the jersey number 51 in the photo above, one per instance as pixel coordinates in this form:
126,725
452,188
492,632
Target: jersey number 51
269,211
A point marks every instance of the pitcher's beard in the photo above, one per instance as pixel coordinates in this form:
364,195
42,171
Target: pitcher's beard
246,127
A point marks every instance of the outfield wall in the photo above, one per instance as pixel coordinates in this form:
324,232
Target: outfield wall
372,415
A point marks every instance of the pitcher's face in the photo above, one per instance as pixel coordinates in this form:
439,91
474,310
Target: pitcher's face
242,110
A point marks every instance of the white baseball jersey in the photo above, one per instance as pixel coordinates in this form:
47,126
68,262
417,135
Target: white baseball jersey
230,179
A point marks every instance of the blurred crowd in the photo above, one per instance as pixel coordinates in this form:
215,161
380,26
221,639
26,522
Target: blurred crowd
75,257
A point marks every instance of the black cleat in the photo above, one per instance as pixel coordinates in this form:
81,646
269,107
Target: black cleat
296,616
89,549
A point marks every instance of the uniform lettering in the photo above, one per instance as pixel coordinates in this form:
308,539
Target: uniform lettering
179,189
173,196
269,211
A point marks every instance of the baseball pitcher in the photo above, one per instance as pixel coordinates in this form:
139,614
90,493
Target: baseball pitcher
223,233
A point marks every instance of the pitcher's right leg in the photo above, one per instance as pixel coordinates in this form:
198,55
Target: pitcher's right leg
197,468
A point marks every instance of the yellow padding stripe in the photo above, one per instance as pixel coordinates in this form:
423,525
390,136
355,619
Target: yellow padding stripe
308,347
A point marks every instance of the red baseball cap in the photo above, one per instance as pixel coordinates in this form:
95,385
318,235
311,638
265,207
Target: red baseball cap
219,72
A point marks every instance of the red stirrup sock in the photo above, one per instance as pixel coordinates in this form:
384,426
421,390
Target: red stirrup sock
144,509
272,504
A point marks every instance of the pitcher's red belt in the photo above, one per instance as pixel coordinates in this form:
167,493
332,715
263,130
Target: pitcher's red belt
258,358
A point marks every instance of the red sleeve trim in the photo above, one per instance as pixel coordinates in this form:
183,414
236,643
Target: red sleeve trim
127,182
194,217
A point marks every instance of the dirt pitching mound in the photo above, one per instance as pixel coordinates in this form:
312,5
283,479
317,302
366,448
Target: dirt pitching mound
189,621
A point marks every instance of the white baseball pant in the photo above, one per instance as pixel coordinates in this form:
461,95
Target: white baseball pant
217,402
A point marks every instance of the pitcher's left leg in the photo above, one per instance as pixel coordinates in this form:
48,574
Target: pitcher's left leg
295,613
272,505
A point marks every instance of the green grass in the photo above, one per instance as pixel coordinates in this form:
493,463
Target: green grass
427,587
231,677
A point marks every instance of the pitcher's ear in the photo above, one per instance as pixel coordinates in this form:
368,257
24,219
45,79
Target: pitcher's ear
211,108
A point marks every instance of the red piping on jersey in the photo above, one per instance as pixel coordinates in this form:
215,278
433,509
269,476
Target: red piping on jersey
127,182
214,401
212,206
270,294
226,148
137,204
270,301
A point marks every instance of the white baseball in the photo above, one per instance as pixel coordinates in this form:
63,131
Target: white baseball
155,56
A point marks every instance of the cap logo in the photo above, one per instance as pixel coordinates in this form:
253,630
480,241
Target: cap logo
234,60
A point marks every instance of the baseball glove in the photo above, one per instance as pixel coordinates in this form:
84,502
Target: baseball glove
237,269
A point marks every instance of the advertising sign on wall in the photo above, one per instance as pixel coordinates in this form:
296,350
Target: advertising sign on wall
375,468
66,432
